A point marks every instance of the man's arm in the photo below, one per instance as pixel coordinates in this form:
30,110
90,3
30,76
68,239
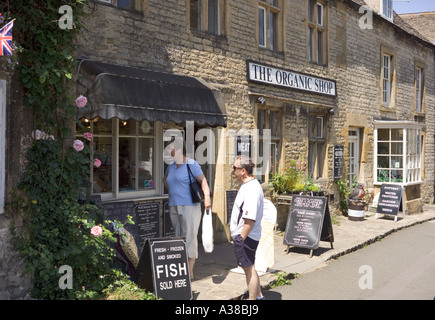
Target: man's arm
247,227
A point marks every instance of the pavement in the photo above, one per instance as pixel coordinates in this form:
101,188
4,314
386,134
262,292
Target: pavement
215,280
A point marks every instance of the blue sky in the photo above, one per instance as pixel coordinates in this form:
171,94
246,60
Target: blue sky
412,6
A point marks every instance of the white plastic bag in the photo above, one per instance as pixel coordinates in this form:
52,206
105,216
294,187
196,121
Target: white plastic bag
207,231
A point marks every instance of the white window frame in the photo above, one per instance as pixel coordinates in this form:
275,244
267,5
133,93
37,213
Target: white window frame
411,153
319,6
387,9
2,143
271,13
353,159
116,194
262,12
419,89
386,79
317,46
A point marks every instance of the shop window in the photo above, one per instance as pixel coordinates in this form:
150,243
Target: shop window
398,155
269,119
418,90
317,32
207,15
2,143
317,146
269,24
127,151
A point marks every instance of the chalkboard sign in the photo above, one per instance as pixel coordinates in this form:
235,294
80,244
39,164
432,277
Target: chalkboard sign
163,269
390,199
306,223
338,162
148,220
230,197
168,229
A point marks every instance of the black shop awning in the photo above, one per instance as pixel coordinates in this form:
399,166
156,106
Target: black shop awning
115,91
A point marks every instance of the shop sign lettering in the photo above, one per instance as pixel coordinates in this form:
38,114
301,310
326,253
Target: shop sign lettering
290,79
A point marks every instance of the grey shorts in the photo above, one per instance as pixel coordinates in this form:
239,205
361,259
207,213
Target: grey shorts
185,221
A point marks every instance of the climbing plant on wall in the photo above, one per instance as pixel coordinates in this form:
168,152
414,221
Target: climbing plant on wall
65,242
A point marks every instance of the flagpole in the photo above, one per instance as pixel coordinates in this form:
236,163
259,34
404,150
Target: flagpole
9,22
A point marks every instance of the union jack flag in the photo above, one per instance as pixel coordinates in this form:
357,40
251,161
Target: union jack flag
6,39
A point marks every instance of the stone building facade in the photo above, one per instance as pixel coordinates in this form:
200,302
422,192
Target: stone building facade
245,48
292,80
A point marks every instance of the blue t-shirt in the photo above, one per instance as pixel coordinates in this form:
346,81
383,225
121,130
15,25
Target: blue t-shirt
177,180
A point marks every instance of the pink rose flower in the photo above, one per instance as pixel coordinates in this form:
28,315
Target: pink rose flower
37,134
96,231
97,163
81,101
88,136
78,145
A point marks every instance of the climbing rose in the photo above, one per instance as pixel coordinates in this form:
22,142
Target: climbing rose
96,231
88,136
78,145
37,134
97,163
81,101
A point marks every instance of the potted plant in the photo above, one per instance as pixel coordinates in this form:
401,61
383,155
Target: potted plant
285,180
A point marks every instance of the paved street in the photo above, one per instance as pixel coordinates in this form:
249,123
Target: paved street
400,266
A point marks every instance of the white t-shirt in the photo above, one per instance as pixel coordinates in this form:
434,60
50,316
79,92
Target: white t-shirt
248,205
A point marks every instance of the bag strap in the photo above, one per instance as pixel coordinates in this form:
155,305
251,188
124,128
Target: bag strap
190,173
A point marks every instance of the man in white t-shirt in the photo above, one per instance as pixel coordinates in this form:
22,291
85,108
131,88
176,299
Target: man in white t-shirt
245,225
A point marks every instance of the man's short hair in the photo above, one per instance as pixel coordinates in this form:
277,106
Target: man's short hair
246,163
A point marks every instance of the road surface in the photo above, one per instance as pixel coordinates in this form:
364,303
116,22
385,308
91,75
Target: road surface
401,266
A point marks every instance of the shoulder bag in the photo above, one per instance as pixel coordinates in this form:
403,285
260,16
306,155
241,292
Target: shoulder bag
195,188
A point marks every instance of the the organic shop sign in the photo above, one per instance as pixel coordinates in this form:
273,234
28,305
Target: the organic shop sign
290,79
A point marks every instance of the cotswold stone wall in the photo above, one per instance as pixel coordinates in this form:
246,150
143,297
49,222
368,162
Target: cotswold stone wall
14,283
